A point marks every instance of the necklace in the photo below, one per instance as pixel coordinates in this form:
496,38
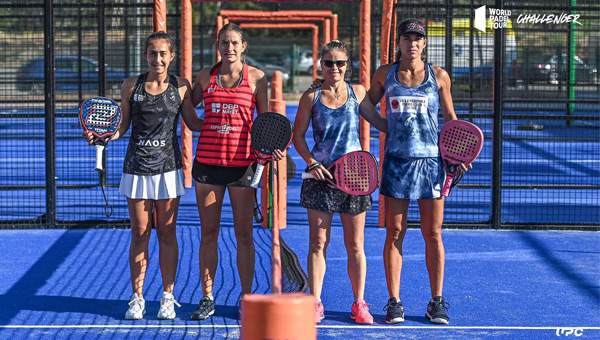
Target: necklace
337,96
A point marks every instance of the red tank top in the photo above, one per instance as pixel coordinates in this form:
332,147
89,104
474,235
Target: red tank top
228,113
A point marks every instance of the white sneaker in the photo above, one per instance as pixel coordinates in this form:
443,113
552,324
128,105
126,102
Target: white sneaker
137,308
167,310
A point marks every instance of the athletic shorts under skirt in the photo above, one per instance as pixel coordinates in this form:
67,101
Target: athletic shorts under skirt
223,175
155,187
322,196
412,178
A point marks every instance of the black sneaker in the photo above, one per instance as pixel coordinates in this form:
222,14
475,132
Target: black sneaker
395,311
437,310
205,309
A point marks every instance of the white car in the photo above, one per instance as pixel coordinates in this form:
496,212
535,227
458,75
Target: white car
305,62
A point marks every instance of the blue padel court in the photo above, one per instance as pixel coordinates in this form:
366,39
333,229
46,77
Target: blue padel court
500,284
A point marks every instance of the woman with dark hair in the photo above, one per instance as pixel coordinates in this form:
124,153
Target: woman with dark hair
333,110
231,91
412,168
152,173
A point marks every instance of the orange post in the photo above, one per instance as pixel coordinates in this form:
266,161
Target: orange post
327,31
334,27
159,16
282,316
187,151
385,58
365,66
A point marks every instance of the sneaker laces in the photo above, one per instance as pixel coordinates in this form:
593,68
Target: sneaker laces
136,303
393,307
441,306
168,302
364,306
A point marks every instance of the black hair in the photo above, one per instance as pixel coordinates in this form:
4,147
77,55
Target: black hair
160,35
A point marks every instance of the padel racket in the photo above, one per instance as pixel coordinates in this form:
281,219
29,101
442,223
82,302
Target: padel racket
354,173
460,143
270,131
101,117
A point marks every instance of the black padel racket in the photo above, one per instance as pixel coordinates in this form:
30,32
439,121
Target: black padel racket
270,131
355,173
102,117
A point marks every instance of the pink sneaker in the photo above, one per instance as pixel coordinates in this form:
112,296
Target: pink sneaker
360,313
319,312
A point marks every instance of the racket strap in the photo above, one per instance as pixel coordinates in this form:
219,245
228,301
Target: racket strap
257,214
108,209
458,175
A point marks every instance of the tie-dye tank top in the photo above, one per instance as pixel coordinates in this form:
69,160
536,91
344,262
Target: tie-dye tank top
335,131
412,116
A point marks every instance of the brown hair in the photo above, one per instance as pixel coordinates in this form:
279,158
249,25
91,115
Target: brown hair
230,27
341,46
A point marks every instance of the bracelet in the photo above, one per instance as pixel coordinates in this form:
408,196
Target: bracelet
313,166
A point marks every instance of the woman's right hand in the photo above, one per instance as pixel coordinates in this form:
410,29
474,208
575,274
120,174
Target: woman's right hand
88,136
320,173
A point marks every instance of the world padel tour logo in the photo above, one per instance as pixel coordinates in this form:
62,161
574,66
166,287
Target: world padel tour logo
498,18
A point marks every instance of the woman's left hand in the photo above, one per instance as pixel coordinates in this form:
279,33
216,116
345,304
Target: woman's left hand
278,155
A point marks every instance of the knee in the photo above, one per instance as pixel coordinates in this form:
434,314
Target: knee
209,235
166,233
244,237
432,235
317,244
140,235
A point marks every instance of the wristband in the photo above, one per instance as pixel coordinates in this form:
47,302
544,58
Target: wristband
313,166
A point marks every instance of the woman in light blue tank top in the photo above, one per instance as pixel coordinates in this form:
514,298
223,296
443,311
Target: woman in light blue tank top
333,109
415,91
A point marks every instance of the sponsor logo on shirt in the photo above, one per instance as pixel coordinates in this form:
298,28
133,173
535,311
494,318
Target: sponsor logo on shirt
152,142
138,98
408,107
223,128
224,108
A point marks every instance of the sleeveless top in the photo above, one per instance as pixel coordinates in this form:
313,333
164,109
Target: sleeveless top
335,131
228,114
154,148
412,115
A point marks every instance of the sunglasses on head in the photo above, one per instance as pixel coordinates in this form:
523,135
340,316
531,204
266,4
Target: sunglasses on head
339,63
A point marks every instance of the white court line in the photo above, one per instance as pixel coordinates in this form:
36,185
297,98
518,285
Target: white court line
320,326
481,160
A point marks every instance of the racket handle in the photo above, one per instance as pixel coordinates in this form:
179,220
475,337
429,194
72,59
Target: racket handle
447,184
307,175
257,175
99,151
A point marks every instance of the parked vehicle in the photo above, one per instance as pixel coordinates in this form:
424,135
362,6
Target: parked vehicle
552,68
31,76
305,61
269,69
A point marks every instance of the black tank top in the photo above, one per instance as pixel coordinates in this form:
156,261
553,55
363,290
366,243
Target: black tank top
154,148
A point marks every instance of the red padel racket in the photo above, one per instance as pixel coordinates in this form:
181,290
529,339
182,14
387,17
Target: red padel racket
102,117
354,173
270,131
460,143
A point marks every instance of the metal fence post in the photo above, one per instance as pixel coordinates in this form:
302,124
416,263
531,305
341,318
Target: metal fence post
497,94
49,106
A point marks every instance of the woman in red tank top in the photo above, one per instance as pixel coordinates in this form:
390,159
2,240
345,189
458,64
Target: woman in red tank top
231,90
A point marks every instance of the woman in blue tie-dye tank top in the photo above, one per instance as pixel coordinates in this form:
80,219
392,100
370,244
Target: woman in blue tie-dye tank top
333,110
412,169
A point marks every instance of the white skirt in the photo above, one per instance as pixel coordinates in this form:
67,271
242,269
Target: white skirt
154,187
